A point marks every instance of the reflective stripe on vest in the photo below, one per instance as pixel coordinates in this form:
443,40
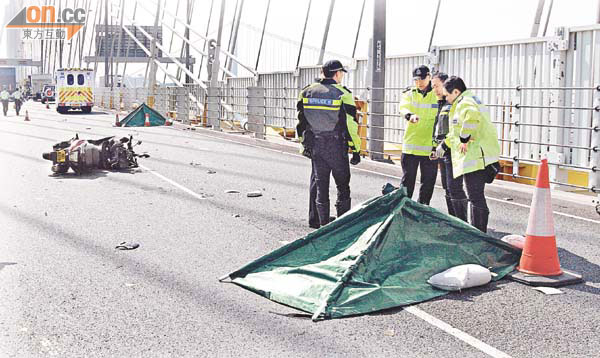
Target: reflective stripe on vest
424,105
322,103
490,160
408,146
470,126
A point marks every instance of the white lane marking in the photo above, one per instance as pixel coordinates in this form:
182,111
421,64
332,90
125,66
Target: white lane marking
470,340
175,184
411,309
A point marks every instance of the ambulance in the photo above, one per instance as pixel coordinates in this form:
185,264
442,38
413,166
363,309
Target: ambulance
74,89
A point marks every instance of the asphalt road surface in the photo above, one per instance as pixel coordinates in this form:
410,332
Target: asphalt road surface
66,292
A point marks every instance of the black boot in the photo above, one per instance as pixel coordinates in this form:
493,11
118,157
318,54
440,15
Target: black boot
323,210
479,218
449,205
342,206
460,208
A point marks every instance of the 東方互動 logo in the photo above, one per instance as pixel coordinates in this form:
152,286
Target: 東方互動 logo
47,18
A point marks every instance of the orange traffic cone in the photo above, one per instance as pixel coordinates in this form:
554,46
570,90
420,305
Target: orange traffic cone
540,256
147,120
117,123
26,116
539,264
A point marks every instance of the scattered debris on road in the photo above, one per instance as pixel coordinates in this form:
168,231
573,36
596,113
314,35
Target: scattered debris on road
127,246
508,199
232,191
548,290
211,172
236,215
254,194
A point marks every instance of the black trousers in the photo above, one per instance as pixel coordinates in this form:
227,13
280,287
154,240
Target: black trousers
17,106
410,165
329,157
475,183
453,187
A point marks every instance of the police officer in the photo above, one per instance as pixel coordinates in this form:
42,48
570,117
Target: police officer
418,106
4,97
456,199
473,142
18,97
327,115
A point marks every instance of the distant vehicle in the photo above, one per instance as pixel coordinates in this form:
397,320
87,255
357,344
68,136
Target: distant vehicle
48,93
8,77
74,89
37,84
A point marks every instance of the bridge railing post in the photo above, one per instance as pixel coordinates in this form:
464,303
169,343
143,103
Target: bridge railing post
256,111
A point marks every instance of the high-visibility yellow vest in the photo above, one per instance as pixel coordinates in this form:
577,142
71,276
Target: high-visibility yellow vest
418,137
469,118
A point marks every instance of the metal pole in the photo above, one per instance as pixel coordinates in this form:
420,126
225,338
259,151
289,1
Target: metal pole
437,11
235,11
129,44
377,67
548,17
85,27
151,78
304,33
537,19
172,35
331,5
60,41
71,42
235,33
93,33
262,36
362,11
97,44
185,40
598,13
42,57
120,38
206,42
237,28
105,43
112,47
187,43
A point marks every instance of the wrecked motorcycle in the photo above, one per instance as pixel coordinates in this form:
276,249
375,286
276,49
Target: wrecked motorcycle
85,155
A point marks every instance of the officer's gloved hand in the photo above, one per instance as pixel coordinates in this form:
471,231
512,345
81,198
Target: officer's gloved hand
355,158
440,150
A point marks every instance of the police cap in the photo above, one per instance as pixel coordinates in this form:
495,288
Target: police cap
331,67
421,72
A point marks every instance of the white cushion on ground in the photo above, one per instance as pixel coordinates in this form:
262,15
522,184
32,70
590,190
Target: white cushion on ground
460,277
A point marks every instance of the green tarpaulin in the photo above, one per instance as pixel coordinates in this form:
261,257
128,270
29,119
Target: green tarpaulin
138,117
377,256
